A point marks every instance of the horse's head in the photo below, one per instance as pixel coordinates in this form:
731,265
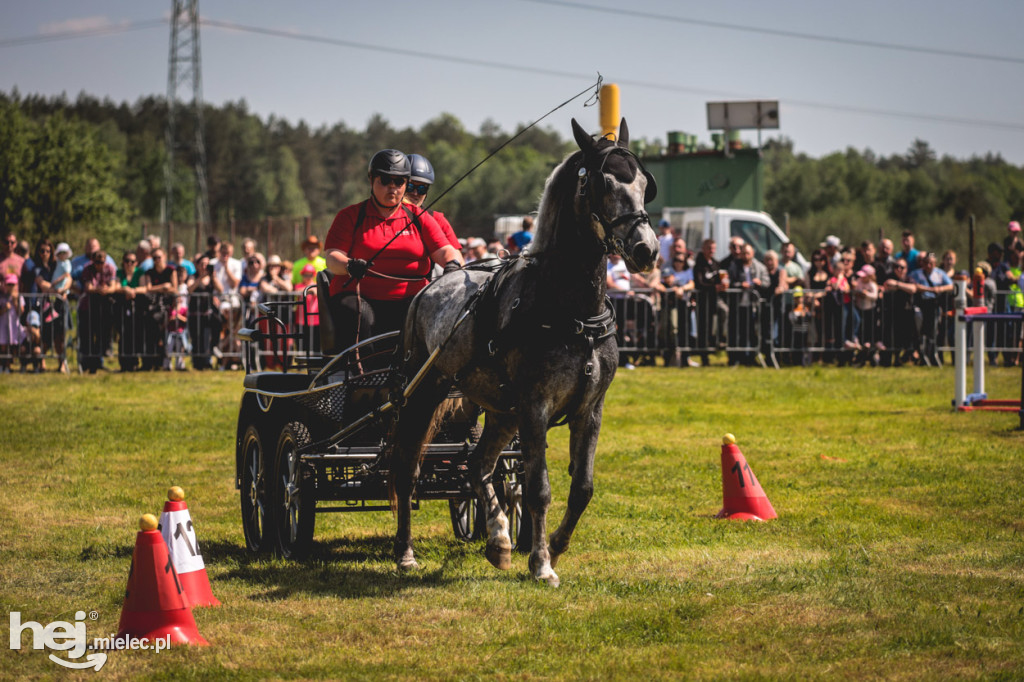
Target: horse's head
612,188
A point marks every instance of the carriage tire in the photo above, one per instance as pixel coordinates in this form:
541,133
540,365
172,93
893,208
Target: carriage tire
294,494
469,520
257,524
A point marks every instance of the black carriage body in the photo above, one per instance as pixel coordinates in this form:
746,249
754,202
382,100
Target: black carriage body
312,438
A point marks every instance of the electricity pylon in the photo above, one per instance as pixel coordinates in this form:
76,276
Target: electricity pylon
184,68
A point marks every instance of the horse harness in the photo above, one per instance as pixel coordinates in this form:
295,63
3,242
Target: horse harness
483,306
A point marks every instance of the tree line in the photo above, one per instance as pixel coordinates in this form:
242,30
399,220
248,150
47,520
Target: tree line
91,166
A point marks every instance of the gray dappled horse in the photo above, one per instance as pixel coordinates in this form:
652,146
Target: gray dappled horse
537,345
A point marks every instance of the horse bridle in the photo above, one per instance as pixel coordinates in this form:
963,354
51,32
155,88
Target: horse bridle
606,228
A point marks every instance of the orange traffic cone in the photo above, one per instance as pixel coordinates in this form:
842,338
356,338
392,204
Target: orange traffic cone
742,496
180,536
154,605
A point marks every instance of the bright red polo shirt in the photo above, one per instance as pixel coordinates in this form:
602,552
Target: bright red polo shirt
449,231
407,256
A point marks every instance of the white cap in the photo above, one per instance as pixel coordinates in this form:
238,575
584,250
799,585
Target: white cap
832,240
477,241
63,247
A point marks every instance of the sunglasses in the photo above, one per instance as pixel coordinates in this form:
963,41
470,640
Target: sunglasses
391,180
129,261
418,189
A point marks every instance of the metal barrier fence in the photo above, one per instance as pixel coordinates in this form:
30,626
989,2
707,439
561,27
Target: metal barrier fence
33,330
150,331
154,331
795,330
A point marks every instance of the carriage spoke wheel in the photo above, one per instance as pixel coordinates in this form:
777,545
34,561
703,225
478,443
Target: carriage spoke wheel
468,519
255,500
294,495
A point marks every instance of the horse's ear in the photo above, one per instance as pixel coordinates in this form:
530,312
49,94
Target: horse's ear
623,134
583,139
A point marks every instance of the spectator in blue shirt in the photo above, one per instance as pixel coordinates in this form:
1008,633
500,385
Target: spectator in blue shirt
931,284
909,253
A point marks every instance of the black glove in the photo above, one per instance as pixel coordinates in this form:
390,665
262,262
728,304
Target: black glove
357,268
452,266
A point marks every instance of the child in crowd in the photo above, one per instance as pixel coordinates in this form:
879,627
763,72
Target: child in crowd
178,341
60,281
865,298
308,315
12,333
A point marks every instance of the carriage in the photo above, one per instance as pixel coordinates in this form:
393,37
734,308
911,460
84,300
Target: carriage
312,439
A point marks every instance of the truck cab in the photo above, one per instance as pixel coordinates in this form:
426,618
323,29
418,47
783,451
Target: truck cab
756,228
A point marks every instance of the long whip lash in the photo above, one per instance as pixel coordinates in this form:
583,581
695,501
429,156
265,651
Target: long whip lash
590,102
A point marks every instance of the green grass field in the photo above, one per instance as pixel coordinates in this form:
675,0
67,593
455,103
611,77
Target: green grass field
898,552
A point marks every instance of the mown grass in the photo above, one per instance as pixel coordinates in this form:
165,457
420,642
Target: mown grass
898,552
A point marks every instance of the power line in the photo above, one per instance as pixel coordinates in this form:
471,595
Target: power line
465,61
624,81
784,33
86,33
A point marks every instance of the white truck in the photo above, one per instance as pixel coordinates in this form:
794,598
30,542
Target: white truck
721,224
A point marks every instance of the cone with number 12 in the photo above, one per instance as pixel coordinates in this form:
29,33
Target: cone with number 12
154,604
743,499
180,536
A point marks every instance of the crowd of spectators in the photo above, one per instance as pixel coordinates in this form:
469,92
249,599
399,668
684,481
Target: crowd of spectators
152,308
866,305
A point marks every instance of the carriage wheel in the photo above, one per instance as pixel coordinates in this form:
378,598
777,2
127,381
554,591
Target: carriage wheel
469,522
256,516
294,495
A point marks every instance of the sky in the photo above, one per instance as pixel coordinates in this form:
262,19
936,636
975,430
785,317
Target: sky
872,74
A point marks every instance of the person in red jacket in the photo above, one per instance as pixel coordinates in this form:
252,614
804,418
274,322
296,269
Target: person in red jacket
420,180
380,251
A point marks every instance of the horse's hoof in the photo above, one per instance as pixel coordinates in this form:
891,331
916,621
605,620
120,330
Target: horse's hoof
547,576
408,565
499,555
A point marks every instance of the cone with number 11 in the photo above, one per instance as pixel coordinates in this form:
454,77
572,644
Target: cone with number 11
180,536
743,499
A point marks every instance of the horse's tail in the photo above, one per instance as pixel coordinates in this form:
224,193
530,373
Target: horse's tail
444,410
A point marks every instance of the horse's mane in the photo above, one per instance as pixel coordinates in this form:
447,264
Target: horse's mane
558,196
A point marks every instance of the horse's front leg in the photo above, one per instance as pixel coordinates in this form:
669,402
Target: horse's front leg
583,432
537,493
498,431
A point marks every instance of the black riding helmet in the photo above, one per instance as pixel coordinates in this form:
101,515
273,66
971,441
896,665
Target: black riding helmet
422,171
389,162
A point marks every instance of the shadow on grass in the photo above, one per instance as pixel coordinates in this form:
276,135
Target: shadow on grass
342,568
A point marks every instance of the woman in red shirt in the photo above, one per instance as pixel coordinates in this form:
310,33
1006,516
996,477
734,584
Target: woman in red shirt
379,252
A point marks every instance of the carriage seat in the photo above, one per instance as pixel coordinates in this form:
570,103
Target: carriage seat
277,382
